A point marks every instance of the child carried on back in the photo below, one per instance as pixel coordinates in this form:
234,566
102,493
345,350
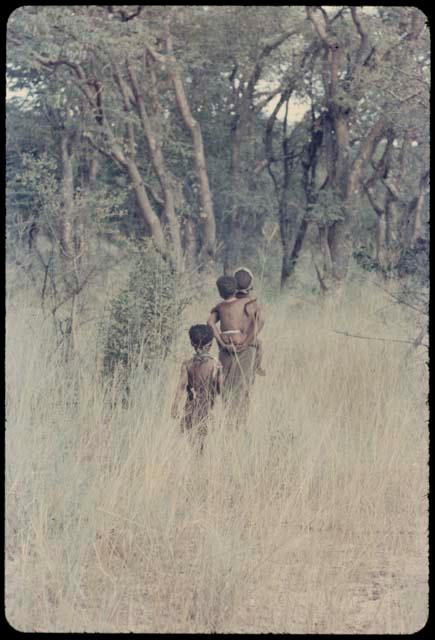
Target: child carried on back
239,316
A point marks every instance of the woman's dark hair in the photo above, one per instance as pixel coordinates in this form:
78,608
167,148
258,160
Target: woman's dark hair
200,335
226,286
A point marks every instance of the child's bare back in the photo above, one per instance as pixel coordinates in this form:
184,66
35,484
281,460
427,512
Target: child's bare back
200,380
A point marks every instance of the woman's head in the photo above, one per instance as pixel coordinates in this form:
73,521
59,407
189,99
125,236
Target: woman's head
244,279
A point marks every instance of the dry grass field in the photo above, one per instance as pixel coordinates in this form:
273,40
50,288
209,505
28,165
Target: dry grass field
313,519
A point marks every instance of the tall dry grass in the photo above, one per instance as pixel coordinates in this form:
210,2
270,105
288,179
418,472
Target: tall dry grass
312,519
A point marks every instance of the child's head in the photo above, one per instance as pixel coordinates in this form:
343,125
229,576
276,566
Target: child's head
244,279
201,336
226,286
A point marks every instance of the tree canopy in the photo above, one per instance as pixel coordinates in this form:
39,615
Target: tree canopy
175,123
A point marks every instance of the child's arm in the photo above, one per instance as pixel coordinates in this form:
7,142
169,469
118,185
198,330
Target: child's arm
212,321
181,389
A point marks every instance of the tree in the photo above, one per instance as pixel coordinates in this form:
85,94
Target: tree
353,70
115,106
171,108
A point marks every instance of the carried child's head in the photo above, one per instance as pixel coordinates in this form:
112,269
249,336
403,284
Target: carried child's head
226,286
244,279
201,337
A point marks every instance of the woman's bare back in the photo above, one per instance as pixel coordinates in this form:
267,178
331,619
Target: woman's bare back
237,318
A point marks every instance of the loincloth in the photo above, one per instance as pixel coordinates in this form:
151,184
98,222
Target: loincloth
235,349
238,370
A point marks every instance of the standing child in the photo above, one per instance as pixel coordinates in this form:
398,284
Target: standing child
200,378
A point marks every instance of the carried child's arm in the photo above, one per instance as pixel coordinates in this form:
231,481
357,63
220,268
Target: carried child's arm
181,389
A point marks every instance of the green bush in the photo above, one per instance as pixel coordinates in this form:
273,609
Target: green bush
145,318
364,259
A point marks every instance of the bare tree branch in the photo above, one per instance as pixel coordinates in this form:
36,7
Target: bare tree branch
111,155
397,298
122,13
362,34
321,27
415,343
366,151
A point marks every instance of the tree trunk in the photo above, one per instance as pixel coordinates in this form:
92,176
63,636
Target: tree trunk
347,183
71,229
161,171
391,219
190,244
234,223
146,209
381,229
343,178
129,159
392,248
67,190
416,228
286,234
324,248
290,257
233,246
94,166
340,246
207,213
292,233
291,250
411,223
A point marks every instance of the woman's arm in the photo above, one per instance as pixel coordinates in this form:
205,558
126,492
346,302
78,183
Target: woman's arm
259,317
255,313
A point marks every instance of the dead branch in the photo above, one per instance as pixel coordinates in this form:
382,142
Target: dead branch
396,298
362,34
323,286
122,13
416,343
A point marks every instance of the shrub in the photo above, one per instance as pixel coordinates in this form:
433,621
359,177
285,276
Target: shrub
145,317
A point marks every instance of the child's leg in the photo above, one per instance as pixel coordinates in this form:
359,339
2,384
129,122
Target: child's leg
201,434
186,420
194,425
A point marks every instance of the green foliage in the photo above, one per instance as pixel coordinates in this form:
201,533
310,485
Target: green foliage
217,49
412,265
327,208
345,100
39,175
145,317
365,261
414,262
